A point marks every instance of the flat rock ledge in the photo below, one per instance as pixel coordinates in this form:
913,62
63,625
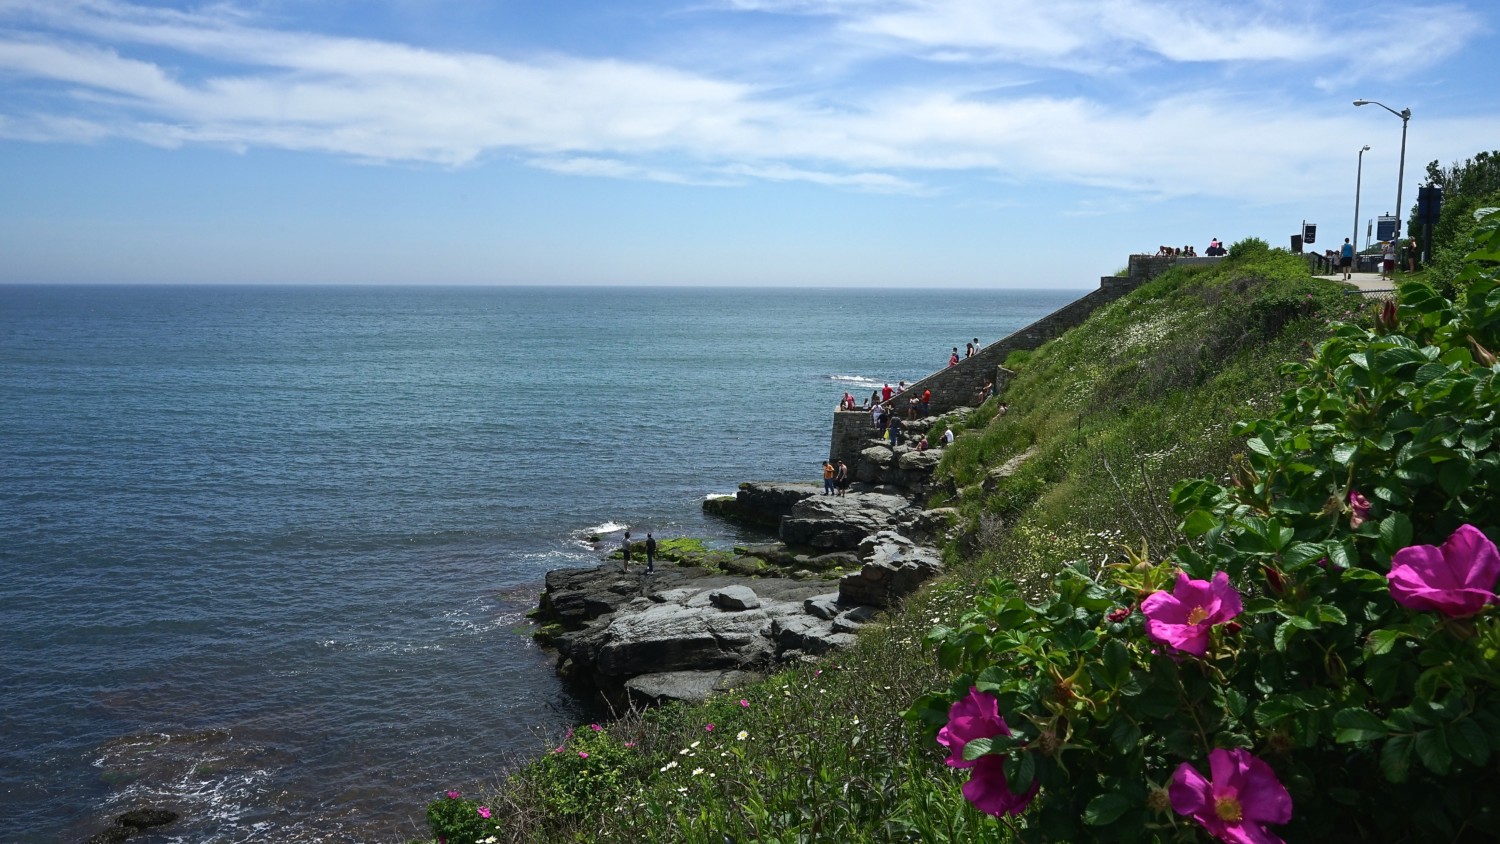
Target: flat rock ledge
685,633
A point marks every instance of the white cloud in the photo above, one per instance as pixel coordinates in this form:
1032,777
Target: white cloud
94,69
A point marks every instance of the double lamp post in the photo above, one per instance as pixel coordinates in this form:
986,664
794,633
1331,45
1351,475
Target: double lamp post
1405,115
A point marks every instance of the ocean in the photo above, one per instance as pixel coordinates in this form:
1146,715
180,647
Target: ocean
267,551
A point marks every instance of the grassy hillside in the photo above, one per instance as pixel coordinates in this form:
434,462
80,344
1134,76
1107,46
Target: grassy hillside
1113,413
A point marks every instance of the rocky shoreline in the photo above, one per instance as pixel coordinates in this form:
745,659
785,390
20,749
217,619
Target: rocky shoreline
707,623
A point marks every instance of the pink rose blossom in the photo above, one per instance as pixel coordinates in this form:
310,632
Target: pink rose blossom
1234,806
595,727
454,795
1457,579
484,811
973,717
709,728
583,754
1359,509
630,744
744,703
1183,617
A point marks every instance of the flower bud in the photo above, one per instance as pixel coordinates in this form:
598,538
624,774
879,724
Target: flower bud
1047,743
1387,319
1233,627
1118,614
1274,581
1158,800
1485,357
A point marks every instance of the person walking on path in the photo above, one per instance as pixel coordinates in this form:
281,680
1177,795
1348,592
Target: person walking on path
1346,258
896,427
625,549
828,477
885,392
1411,255
1388,259
926,402
841,478
953,358
650,553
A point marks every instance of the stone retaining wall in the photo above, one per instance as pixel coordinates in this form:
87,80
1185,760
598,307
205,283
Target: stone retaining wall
959,385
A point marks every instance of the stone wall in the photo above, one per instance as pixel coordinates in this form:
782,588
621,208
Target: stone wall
959,385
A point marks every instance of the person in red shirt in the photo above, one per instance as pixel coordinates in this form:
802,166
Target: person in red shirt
885,393
926,400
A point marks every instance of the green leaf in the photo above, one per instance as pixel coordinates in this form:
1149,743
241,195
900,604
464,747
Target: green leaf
977,748
1395,532
1258,445
1432,747
1124,736
1198,523
1327,614
1381,641
1106,809
1358,725
1300,554
1344,452
1469,741
1395,758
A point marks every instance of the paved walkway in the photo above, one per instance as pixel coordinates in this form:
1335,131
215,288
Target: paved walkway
1364,281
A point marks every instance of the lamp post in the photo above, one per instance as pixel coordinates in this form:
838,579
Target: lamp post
1405,115
1358,173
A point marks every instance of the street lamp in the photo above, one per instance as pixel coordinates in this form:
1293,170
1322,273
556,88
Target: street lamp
1405,115
1358,172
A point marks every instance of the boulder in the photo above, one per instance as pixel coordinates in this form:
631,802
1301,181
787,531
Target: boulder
894,568
840,522
808,635
825,607
685,686
734,598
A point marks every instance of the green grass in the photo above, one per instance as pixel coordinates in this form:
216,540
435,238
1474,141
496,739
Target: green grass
1138,397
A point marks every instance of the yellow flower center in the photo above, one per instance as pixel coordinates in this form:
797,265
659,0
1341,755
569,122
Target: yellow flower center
1197,615
1228,809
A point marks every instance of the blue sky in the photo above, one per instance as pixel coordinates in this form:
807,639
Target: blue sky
911,143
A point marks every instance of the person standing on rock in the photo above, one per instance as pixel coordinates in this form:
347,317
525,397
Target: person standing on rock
650,553
895,429
625,549
828,472
926,402
841,478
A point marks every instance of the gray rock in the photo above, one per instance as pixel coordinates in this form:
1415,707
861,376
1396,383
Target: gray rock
920,461
825,607
894,568
808,635
734,598
665,686
840,522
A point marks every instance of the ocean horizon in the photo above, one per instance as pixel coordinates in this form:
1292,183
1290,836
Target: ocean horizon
269,549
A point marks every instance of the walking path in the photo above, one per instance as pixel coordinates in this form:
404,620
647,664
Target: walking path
1364,281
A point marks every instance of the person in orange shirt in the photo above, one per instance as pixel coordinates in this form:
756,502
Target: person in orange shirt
828,477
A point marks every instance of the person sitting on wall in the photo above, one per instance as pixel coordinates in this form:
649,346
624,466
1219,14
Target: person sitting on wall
922,443
985,392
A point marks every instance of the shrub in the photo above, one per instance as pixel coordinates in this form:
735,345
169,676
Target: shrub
1327,648
1248,248
459,820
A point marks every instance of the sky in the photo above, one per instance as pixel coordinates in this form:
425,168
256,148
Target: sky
857,143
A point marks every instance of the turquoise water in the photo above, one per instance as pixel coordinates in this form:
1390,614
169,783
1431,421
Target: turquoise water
267,551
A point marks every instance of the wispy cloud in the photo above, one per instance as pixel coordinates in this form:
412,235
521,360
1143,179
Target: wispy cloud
90,70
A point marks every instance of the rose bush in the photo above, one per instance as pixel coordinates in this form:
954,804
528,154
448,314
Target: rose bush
1326,642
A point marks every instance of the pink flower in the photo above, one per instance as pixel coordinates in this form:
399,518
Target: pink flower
583,754
744,703
484,811
973,717
454,795
1183,618
709,728
630,744
1456,580
1359,509
1242,797
595,727
558,749
1118,614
